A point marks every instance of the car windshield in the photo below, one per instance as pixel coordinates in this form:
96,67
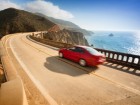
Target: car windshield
92,51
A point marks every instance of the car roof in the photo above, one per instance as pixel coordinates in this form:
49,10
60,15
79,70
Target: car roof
82,46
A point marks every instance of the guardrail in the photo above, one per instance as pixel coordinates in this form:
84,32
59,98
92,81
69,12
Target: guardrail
51,43
121,58
125,59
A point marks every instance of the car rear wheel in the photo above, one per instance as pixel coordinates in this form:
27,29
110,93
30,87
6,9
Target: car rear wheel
61,55
82,62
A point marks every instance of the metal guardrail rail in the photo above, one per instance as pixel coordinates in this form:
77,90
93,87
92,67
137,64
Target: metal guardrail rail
125,59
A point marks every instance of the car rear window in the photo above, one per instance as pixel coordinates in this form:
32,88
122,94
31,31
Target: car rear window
92,51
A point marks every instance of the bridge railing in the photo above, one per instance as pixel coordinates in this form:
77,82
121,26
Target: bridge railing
125,59
51,43
121,58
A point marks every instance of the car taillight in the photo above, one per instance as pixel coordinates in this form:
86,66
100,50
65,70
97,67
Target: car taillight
102,58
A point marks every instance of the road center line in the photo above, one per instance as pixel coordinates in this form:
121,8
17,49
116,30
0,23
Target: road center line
93,73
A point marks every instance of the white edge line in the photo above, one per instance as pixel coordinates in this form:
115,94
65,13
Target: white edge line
36,82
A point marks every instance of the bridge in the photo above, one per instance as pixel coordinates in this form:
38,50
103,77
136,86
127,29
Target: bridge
35,75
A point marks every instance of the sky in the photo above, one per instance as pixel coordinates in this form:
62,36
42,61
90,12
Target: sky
88,14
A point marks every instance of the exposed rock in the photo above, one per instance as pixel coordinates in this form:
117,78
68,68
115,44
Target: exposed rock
66,25
67,36
14,20
55,28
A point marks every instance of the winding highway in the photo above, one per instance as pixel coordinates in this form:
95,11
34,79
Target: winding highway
63,82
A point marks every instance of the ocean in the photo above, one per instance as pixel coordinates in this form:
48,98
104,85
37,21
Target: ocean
120,41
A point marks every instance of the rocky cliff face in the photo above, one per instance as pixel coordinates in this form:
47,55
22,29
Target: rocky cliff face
66,25
66,36
14,20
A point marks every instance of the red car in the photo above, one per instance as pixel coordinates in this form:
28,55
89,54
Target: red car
84,55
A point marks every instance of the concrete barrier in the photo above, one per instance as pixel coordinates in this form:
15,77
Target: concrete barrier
2,50
9,69
11,92
51,43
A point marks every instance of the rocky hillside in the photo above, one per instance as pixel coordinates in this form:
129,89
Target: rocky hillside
66,36
14,20
66,25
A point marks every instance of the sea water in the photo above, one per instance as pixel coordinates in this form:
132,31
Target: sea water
126,42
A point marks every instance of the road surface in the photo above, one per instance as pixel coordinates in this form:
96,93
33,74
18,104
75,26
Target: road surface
64,82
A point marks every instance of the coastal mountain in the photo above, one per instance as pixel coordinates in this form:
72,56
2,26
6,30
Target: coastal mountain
66,36
14,20
66,25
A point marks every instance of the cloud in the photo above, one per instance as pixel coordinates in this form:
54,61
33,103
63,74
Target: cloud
7,4
40,6
48,9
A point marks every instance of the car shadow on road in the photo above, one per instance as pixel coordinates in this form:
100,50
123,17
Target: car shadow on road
123,68
64,66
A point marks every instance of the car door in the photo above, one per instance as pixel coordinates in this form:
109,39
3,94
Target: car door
70,53
67,53
77,54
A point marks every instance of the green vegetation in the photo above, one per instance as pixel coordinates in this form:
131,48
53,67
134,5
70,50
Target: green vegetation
13,21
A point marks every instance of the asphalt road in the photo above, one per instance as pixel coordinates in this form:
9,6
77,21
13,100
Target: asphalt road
66,83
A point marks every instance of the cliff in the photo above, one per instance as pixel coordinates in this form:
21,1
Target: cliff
14,20
63,24
66,36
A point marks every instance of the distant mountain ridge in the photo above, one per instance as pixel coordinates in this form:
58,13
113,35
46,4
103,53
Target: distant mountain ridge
63,24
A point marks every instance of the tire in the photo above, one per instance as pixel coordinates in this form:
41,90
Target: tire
61,55
82,62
